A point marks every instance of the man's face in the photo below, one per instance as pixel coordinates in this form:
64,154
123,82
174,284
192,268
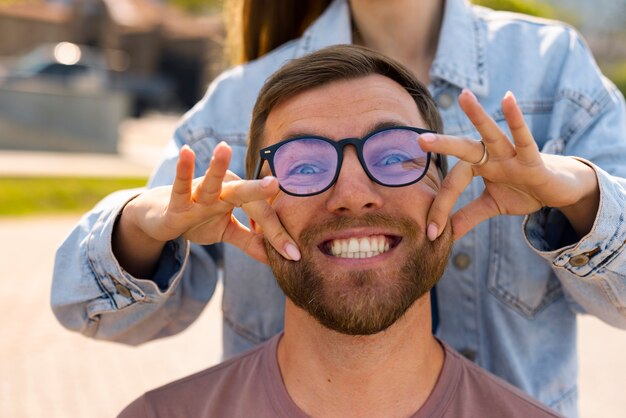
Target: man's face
382,260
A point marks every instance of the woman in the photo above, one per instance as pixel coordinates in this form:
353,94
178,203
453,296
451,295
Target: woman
509,297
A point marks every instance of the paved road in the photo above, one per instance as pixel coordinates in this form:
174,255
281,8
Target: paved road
46,371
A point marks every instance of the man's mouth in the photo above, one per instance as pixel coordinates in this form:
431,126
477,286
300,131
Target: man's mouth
361,247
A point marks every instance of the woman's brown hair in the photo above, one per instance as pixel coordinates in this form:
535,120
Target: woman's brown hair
255,27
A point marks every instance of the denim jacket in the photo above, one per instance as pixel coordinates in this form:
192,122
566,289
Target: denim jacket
514,285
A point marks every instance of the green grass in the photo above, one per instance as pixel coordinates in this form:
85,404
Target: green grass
57,195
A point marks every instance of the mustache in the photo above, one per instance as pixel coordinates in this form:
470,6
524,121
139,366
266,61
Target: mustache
404,225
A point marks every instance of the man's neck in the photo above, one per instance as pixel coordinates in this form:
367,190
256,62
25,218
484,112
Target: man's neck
328,374
406,30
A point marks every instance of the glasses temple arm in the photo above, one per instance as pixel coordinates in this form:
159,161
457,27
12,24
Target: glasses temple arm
257,170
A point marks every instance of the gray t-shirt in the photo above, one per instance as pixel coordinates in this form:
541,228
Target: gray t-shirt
251,385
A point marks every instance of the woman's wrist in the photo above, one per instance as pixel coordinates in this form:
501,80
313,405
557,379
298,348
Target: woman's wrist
583,212
137,252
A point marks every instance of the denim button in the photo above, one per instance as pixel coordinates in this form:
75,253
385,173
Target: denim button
122,290
461,261
468,353
445,100
579,260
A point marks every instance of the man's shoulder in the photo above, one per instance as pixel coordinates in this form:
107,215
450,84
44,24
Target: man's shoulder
488,395
210,378
209,392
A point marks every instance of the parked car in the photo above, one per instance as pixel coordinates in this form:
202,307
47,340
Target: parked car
77,66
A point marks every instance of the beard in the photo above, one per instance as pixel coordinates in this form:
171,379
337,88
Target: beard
361,302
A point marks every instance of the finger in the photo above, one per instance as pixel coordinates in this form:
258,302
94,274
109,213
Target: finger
182,186
246,240
466,149
470,215
273,230
525,145
240,192
210,187
494,138
452,186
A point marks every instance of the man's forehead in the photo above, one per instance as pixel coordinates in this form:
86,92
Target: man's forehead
295,132
345,108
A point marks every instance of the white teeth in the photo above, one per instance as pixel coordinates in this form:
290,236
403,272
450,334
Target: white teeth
336,248
364,247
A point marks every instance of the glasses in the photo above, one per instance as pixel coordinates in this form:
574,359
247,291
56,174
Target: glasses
309,165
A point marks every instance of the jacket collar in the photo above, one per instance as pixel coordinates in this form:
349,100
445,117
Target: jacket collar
333,27
460,56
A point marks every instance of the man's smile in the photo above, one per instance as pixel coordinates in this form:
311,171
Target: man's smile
360,246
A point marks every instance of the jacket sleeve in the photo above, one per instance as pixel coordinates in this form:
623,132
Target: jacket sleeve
92,294
589,123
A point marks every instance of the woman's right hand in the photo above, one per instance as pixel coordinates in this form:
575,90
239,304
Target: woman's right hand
200,209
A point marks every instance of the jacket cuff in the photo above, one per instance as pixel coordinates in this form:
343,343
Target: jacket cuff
122,288
600,246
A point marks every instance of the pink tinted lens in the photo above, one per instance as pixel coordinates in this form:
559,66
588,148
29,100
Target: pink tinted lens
394,157
305,166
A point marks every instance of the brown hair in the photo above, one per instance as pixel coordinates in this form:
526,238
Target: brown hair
255,27
335,63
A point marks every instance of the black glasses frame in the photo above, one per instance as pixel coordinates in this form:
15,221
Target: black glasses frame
267,154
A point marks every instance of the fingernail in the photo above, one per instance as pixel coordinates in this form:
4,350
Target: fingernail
266,181
432,231
429,138
469,93
509,94
292,251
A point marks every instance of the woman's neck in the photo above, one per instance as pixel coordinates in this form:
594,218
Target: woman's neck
405,30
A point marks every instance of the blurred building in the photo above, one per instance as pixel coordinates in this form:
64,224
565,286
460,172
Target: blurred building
142,37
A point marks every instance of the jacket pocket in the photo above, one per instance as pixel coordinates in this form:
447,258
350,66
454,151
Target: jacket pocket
517,276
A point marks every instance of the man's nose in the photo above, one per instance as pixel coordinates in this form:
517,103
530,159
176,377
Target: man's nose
353,192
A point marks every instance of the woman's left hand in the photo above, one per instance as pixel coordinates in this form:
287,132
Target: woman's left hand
518,178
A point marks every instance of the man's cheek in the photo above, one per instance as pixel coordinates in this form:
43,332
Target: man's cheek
290,214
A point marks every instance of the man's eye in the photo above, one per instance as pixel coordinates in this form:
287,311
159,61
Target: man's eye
306,169
392,159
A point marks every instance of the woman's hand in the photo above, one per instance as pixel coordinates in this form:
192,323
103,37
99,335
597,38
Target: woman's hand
518,178
200,209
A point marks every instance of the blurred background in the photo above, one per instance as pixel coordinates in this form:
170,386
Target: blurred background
90,93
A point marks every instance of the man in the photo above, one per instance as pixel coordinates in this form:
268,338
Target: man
357,339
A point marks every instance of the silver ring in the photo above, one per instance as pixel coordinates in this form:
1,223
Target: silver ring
483,160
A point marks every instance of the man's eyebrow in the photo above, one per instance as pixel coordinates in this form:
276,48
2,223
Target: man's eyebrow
374,127
384,124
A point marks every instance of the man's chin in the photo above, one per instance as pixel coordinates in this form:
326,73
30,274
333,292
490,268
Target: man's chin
364,301
359,303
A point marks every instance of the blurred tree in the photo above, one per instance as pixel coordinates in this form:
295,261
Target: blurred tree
529,7
196,6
